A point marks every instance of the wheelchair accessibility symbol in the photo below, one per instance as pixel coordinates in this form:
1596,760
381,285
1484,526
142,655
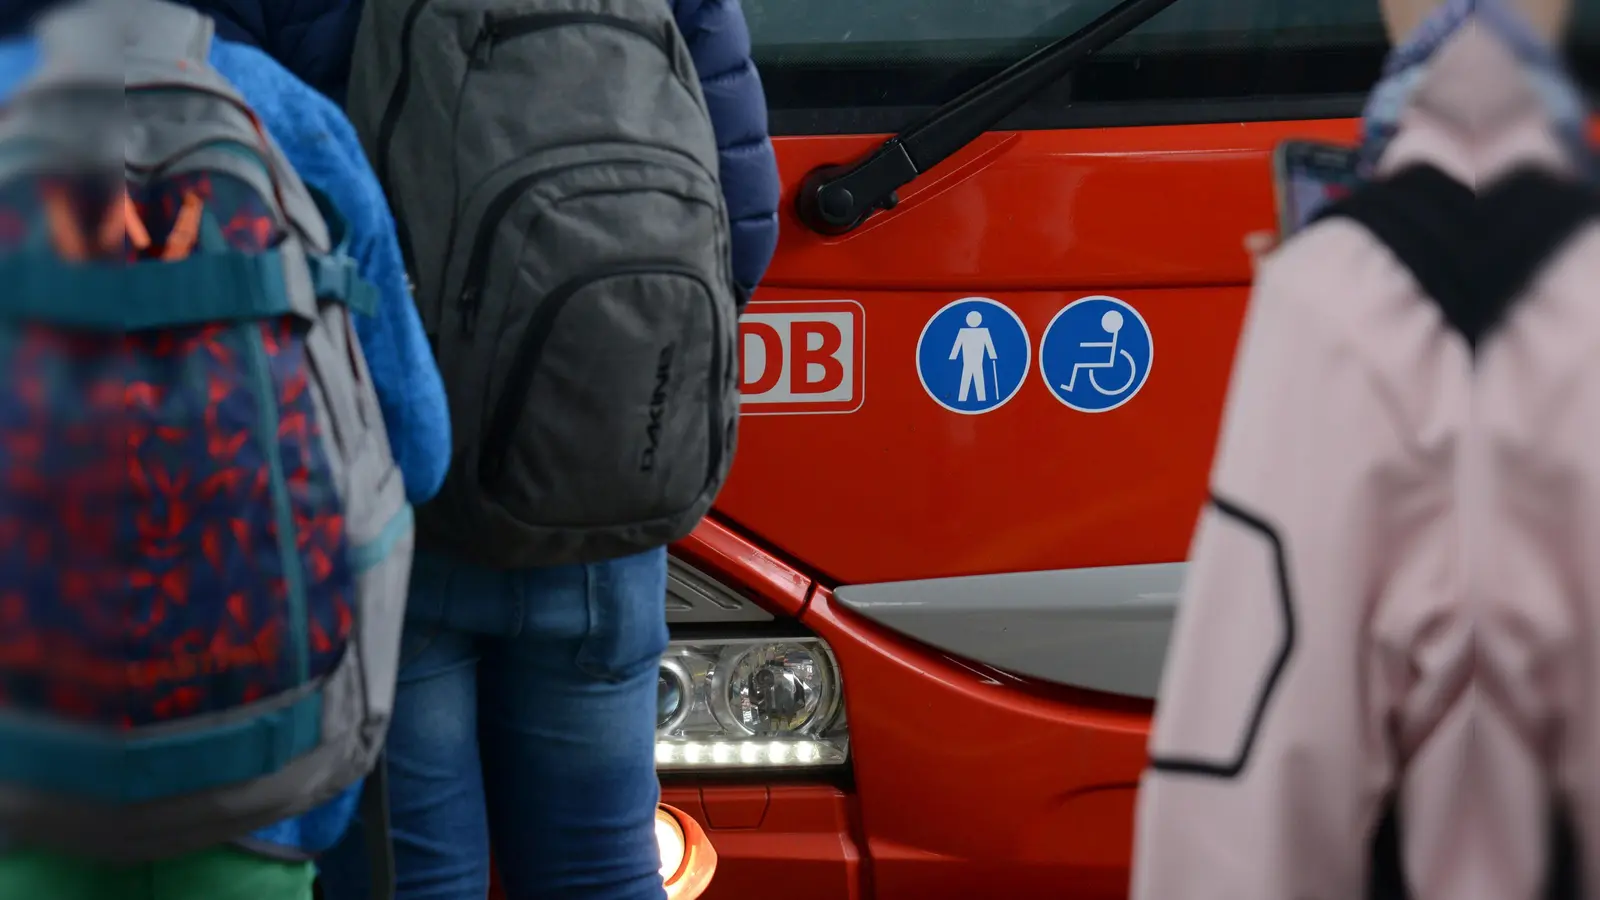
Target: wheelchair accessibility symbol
1095,354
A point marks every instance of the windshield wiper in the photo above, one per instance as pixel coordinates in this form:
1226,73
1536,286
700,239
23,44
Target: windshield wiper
835,199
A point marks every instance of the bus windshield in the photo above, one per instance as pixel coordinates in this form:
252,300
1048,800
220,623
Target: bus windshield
886,61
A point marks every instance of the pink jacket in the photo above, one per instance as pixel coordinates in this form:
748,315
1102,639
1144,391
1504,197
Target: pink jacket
1395,596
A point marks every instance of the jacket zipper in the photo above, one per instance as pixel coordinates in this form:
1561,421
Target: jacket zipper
390,120
513,400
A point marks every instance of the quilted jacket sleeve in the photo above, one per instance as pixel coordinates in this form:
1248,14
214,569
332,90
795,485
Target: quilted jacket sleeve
719,42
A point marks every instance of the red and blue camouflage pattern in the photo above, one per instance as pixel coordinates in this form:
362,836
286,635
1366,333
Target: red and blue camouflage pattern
141,578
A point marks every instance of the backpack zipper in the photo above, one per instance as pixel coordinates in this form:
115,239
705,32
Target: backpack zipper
469,301
390,121
509,408
496,30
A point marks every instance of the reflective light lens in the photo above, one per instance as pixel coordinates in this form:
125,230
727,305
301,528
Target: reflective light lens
669,837
688,858
673,689
750,703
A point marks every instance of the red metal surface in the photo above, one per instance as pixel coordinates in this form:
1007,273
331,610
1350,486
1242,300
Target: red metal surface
738,563
973,783
903,489
968,782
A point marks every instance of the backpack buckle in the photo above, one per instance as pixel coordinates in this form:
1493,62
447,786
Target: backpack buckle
334,278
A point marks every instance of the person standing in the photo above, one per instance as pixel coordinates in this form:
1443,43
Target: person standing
317,142
1377,678
525,718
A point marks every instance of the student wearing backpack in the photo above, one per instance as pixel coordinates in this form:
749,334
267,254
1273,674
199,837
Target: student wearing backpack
605,224
314,39
576,644
462,647
1381,679
317,143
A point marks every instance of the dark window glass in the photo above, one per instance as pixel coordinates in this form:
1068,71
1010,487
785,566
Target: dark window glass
875,65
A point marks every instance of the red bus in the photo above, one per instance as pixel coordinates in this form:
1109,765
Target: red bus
984,578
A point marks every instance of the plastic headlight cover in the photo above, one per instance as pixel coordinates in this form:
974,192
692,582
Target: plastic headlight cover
750,702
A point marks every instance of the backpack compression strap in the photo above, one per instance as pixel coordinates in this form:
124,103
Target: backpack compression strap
1473,254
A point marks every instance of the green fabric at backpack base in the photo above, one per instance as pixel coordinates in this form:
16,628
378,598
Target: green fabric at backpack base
219,874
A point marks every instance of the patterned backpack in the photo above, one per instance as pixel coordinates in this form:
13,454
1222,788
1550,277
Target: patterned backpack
204,540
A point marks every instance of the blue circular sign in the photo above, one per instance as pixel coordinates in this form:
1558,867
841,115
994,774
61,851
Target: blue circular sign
973,356
1096,354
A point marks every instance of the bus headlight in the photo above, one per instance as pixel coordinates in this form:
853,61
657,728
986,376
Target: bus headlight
669,840
750,703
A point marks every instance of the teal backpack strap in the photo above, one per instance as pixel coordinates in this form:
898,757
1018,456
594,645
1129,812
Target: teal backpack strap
206,287
335,275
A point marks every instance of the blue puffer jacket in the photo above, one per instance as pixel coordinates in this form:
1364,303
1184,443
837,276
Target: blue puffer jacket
719,41
312,38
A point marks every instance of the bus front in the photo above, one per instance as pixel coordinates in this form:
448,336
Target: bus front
917,644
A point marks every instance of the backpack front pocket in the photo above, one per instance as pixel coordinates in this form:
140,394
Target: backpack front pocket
611,409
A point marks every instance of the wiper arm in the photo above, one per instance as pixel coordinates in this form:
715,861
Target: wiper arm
837,199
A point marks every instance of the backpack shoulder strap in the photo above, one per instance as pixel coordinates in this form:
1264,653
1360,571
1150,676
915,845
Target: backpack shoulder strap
1534,214
1425,218
1473,254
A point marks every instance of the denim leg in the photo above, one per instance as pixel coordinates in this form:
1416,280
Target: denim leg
567,713
436,795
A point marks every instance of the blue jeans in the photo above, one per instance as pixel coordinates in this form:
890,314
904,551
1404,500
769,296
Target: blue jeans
525,722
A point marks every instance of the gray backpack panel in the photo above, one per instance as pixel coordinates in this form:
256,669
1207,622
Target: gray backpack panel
555,171
153,792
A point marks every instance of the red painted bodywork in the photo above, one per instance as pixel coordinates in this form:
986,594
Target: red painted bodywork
903,489
969,782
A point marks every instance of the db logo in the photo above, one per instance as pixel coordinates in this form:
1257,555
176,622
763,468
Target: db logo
802,357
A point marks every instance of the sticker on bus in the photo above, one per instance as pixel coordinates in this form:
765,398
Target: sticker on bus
802,357
973,356
1096,354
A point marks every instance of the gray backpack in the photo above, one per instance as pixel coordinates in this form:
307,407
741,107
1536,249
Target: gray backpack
200,635
554,171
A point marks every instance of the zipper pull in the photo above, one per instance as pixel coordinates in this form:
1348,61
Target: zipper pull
483,44
471,300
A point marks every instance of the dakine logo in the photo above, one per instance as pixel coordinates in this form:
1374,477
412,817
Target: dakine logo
658,408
